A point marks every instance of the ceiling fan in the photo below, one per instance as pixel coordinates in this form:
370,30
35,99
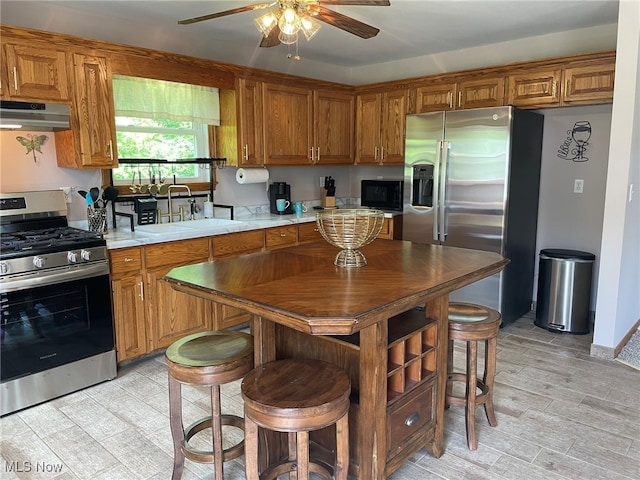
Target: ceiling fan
289,17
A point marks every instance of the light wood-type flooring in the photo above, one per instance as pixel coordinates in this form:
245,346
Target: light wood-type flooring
561,415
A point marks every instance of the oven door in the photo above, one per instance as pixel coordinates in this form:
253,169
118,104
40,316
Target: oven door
56,318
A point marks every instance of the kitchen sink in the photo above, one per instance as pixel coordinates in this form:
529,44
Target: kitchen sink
187,226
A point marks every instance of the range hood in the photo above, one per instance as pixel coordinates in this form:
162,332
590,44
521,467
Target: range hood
34,116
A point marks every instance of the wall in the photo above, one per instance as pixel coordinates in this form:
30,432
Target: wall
566,219
20,172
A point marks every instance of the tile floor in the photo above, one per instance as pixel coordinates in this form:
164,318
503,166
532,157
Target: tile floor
562,415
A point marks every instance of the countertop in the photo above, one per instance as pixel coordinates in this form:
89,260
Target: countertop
123,237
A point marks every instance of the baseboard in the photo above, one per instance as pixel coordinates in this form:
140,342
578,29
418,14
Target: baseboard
625,339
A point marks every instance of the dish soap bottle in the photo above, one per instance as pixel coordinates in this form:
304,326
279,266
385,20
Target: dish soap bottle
208,208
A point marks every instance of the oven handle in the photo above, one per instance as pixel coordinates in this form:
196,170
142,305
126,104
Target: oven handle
53,276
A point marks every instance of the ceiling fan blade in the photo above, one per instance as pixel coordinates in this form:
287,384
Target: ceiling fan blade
373,3
345,23
272,39
257,6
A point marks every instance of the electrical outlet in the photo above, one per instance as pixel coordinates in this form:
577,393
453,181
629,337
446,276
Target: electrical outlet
578,185
321,182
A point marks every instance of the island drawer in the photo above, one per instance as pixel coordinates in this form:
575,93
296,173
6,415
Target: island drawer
411,414
281,236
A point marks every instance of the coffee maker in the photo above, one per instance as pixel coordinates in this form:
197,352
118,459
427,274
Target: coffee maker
279,190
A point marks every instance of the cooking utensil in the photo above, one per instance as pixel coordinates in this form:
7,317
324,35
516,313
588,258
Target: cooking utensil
109,194
83,193
95,194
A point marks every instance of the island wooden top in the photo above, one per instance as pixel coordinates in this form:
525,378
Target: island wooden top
301,288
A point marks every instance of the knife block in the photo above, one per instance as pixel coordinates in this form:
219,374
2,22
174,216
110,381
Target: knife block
328,202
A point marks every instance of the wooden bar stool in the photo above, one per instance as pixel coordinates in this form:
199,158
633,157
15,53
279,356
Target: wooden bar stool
296,396
207,359
473,323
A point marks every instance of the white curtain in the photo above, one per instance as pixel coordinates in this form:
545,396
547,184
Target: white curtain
147,98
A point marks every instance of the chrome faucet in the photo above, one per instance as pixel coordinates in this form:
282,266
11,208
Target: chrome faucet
183,187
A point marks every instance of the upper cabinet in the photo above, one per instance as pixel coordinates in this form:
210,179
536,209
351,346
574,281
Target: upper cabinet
34,73
380,127
287,122
91,142
333,117
471,93
573,83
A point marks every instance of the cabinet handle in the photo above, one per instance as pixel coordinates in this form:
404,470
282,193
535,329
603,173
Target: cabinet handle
311,154
111,149
566,88
127,260
15,79
459,99
450,99
412,419
246,152
381,153
554,88
142,291
317,154
375,153
283,235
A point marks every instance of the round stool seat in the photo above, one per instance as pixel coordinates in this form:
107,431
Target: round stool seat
296,396
206,359
472,323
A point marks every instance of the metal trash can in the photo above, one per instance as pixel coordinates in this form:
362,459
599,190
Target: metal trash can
564,290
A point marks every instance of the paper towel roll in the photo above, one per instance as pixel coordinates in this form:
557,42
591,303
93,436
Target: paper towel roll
252,175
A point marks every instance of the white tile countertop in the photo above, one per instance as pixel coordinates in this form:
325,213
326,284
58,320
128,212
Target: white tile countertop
123,237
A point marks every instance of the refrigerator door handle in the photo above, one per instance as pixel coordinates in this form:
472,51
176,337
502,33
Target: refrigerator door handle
444,154
436,190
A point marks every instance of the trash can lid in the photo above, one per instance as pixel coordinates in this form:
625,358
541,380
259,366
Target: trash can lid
567,254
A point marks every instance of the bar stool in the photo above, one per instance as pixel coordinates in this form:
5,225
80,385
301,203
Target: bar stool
296,396
473,323
206,359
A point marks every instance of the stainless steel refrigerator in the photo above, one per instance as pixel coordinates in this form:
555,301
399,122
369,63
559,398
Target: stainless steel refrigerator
471,180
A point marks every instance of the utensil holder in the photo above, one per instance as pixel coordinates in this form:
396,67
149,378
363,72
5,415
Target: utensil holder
97,219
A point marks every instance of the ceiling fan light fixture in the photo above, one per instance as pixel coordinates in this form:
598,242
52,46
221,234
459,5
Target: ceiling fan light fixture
309,27
289,22
266,22
288,38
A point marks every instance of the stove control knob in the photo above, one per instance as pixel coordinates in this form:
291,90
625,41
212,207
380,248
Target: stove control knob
86,255
72,257
4,268
38,262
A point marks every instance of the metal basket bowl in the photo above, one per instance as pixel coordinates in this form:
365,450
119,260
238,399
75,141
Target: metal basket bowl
350,229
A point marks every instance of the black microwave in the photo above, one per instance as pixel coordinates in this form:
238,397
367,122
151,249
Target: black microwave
382,194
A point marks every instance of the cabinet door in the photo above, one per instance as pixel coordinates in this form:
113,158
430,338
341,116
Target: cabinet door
92,141
534,89
308,232
287,125
250,123
394,110
36,73
481,93
368,128
129,317
333,115
588,84
435,98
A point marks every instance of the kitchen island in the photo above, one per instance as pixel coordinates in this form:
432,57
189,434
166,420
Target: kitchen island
362,319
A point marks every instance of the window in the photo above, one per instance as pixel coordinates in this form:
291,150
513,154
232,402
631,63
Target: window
162,120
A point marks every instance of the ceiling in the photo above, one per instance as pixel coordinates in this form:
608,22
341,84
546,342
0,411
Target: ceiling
409,29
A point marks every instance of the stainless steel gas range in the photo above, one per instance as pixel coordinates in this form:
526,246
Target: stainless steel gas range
56,323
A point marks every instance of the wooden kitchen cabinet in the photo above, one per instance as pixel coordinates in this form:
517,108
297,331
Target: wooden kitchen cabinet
172,315
278,237
308,232
91,142
589,84
380,127
333,120
127,284
459,95
391,228
532,89
287,114
34,73
249,123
